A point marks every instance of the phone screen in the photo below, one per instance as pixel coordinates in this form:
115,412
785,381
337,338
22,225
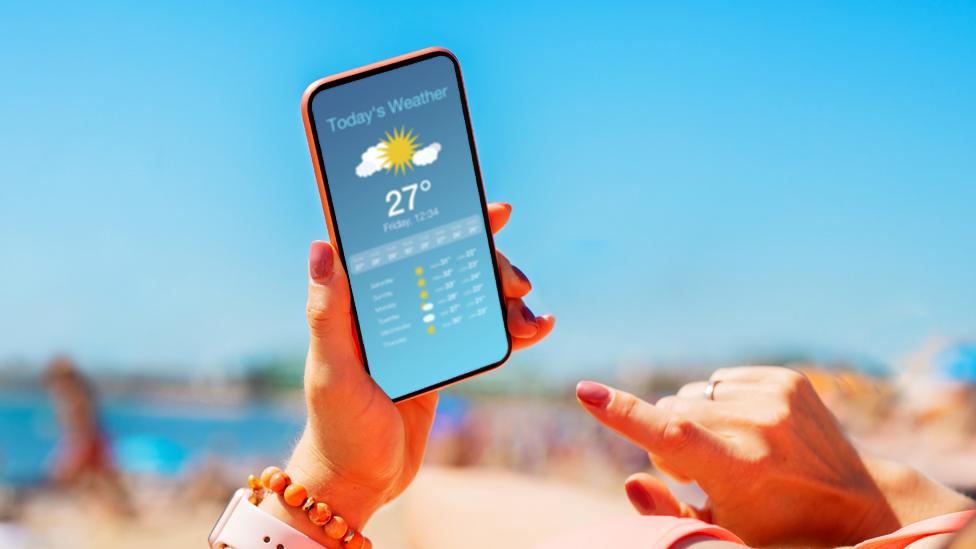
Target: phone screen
408,213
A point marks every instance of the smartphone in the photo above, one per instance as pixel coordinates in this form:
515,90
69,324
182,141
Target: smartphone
400,185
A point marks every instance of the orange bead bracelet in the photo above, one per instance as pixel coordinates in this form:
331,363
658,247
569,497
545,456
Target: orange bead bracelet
275,480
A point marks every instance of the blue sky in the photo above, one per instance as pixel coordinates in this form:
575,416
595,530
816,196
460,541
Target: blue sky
690,183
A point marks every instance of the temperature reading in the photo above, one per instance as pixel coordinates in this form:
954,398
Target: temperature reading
396,196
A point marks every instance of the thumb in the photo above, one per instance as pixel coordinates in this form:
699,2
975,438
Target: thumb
333,341
650,496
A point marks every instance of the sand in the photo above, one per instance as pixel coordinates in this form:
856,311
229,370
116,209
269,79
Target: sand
444,508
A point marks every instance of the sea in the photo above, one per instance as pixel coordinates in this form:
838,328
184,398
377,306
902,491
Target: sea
161,438
148,436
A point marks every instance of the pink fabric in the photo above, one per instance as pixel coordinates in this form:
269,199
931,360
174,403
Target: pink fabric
633,532
943,524
650,532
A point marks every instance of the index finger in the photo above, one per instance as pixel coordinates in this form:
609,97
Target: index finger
656,430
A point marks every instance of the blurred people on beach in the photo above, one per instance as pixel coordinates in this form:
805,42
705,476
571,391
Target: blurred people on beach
83,459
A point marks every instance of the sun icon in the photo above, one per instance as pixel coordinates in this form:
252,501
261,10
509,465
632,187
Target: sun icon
396,151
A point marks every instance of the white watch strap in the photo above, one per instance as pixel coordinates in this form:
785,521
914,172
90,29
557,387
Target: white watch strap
247,527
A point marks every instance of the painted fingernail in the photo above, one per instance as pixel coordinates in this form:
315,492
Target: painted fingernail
320,262
521,275
639,497
531,326
592,393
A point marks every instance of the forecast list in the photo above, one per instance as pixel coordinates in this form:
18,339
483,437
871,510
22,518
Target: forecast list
424,284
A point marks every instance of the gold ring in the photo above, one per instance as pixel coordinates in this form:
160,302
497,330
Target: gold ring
710,389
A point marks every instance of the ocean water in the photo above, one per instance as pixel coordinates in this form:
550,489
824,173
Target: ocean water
164,439
147,436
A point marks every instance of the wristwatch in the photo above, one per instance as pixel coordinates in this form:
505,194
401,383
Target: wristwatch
243,526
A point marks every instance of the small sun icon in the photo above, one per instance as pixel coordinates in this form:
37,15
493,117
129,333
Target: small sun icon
396,151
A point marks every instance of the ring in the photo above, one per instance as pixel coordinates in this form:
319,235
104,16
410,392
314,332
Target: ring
710,389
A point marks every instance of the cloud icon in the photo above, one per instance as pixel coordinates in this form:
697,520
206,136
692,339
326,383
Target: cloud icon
398,152
427,155
372,162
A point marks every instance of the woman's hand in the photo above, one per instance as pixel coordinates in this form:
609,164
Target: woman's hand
359,449
772,459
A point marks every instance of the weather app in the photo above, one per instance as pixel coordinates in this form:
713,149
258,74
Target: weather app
405,196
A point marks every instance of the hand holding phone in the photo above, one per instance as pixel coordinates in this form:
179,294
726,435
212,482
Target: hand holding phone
360,449
400,185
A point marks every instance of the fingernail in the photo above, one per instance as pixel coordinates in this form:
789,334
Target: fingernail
593,393
320,262
639,497
531,327
521,275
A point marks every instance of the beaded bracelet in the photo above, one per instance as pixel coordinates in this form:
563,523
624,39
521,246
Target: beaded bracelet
275,480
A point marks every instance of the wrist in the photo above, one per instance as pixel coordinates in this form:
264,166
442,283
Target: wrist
354,502
912,495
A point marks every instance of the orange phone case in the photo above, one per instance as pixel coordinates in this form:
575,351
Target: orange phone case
318,163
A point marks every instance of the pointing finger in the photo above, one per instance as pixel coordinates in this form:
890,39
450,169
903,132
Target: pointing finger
675,438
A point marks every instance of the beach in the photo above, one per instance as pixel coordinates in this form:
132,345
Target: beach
499,467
